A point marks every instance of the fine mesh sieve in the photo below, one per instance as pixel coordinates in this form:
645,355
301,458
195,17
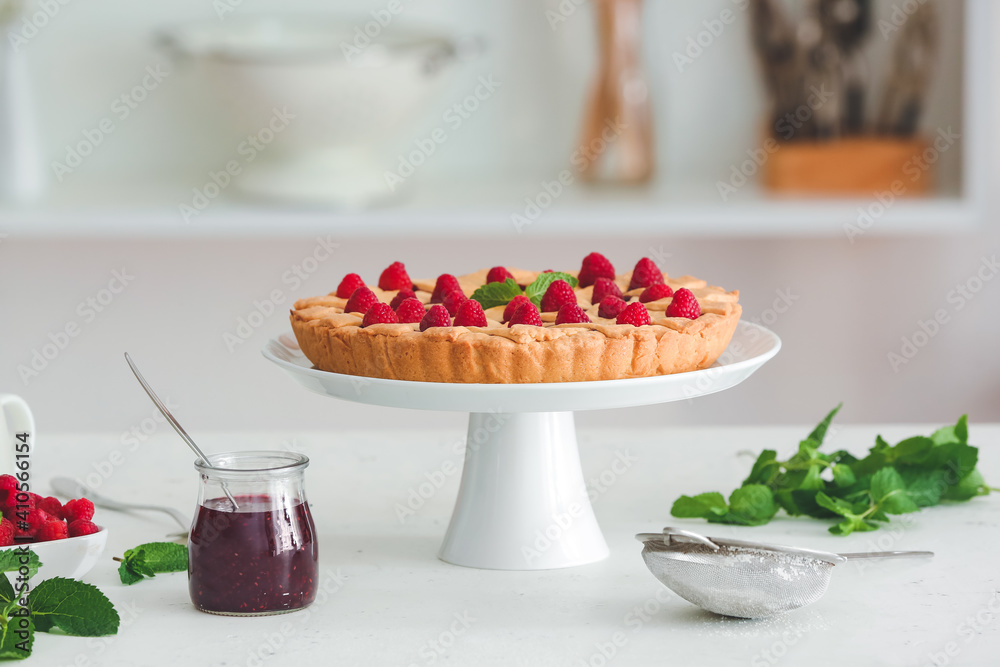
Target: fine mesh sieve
744,579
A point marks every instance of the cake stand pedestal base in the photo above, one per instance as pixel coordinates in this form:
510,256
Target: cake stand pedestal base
523,502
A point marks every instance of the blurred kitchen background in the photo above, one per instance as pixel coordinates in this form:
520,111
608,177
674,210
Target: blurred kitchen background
198,166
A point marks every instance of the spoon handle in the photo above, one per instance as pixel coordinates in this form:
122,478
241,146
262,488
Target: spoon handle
70,488
888,554
177,427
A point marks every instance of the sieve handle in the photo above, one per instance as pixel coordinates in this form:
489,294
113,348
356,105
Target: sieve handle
888,554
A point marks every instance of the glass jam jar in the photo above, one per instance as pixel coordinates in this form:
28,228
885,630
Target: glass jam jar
259,558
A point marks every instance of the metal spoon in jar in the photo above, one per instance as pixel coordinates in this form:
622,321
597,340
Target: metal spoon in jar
177,427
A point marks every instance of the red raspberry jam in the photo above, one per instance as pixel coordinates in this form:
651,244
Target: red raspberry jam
259,560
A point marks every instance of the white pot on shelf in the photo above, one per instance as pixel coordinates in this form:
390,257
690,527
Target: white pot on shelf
348,111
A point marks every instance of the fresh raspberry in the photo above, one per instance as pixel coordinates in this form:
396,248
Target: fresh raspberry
645,273
655,293
362,299
55,529
446,283
508,312
605,287
74,510
610,307
635,314
380,313
394,277
571,314
526,313
498,274
27,528
8,483
403,295
6,533
684,305
470,314
349,285
81,527
454,300
437,316
410,311
595,265
557,295
51,506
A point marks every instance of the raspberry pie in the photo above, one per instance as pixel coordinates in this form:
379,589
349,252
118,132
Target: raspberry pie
532,327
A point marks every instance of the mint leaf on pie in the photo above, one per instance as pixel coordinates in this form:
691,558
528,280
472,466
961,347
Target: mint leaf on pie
496,294
74,607
11,560
536,290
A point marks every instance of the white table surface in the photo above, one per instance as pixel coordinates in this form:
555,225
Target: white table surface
393,603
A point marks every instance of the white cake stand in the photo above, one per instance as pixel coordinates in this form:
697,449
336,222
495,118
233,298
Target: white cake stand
523,502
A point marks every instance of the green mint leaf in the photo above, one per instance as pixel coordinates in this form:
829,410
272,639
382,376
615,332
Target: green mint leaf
7,594
753,504
536,290
958,433
74,607
128,575
702,506
843,476
886,481
968,487
17,636
835,505
912,451
924,486
10,561
819,432
765,469
161,556
853,524
492,295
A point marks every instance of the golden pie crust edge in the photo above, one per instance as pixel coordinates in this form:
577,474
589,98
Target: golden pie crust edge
334,340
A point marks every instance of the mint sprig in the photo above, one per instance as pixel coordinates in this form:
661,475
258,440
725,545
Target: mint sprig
146,560
861,493
74,607
10,561
495,294
536,290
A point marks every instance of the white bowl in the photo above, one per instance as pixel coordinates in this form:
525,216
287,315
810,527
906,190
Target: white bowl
348,111
71,558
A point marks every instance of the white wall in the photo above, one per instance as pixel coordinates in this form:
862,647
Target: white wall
854,302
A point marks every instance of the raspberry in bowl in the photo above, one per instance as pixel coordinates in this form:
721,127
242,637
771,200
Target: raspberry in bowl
63,536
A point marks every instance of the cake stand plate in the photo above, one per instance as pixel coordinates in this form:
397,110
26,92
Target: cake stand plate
522,503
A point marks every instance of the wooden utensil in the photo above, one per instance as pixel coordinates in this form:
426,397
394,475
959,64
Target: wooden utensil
617,133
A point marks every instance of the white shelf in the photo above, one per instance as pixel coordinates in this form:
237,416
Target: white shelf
487,210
